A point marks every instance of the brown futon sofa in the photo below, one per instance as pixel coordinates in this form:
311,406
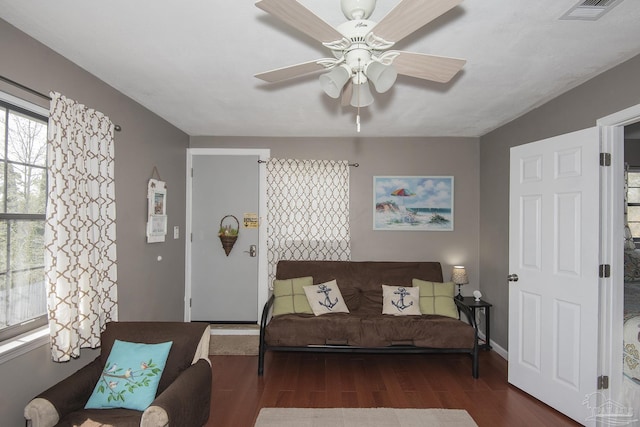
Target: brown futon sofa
365,328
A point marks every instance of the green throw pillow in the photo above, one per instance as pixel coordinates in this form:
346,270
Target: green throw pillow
130,377
290,297
437,298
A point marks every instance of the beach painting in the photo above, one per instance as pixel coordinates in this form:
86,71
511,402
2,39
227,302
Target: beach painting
413,203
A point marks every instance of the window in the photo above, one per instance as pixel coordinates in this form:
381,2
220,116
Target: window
633,201
23,196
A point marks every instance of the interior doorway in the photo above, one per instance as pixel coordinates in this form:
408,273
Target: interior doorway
617,392
630,387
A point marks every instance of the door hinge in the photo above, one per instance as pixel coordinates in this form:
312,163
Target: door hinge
191,237
603,382
190,301
605,159
605,270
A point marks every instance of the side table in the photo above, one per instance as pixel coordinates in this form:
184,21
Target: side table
475,305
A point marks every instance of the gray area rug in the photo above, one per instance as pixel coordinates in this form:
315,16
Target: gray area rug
237,345
363,417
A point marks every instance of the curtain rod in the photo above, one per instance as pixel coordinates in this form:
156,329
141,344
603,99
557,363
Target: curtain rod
117,128
355,165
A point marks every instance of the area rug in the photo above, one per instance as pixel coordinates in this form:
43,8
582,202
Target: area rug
236,345
363,417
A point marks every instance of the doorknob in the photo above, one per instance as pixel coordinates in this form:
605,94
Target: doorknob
251,251
512,277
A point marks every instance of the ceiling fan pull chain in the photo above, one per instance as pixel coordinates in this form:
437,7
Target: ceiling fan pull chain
358,99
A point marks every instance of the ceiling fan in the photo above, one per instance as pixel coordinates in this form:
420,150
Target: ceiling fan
360,47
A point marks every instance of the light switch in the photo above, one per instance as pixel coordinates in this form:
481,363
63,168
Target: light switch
176,232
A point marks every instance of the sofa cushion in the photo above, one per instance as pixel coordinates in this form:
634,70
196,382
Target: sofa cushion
422,331
325,298
360,280
185,338
437,298
400,300
307,329
130,377
102,417
290,296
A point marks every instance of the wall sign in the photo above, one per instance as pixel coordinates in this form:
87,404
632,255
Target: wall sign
157,211
250,220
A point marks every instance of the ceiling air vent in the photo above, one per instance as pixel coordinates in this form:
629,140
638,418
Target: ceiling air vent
590,10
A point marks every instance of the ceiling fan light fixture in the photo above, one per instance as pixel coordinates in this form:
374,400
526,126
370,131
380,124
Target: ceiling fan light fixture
361,96
333,81
357,9
382,76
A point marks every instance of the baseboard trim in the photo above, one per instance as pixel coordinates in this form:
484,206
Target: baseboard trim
495,347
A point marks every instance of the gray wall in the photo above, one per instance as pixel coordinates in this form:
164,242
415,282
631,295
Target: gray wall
579,108
393,156
148,290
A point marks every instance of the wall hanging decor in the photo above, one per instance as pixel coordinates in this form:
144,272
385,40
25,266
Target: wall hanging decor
413,203
228,234
157,209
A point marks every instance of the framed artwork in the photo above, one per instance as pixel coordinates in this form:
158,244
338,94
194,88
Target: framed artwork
413,203
157,211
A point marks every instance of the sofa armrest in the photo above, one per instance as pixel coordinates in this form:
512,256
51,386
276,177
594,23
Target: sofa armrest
67,396
467,313
40,412
266,312
266,316
202,351
185,402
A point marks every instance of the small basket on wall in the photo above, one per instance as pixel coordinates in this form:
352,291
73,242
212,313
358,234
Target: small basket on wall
228,234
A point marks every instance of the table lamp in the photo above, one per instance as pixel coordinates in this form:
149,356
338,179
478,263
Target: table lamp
459,277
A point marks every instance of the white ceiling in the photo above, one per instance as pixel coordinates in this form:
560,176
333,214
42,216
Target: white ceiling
192,62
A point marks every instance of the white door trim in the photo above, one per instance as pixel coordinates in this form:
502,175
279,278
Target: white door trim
263,288
612,213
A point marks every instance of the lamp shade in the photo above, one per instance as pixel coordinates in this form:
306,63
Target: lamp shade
459,275
382,76
333,81
361,96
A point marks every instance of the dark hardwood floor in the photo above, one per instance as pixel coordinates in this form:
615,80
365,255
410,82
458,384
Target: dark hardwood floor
324,380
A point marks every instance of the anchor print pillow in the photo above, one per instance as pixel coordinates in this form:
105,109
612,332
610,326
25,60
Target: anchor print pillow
130,377
325,298
401,300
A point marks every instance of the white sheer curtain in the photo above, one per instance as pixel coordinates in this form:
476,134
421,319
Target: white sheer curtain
80,228
308,211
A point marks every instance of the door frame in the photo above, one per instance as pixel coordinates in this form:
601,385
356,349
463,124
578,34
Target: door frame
612,213
263,288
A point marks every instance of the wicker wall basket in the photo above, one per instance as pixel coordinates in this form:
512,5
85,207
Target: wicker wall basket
227,234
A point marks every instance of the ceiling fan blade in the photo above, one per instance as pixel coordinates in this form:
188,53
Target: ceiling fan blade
298,16
439,69
291,71
409,15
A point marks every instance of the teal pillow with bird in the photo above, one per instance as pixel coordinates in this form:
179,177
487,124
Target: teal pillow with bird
130,377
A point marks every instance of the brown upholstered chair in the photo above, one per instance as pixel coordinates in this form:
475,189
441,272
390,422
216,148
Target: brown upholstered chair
184,392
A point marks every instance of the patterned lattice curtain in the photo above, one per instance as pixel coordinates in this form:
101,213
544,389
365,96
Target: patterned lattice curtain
307,211
80,228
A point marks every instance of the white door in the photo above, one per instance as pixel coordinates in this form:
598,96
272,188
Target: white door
554,251
224,185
